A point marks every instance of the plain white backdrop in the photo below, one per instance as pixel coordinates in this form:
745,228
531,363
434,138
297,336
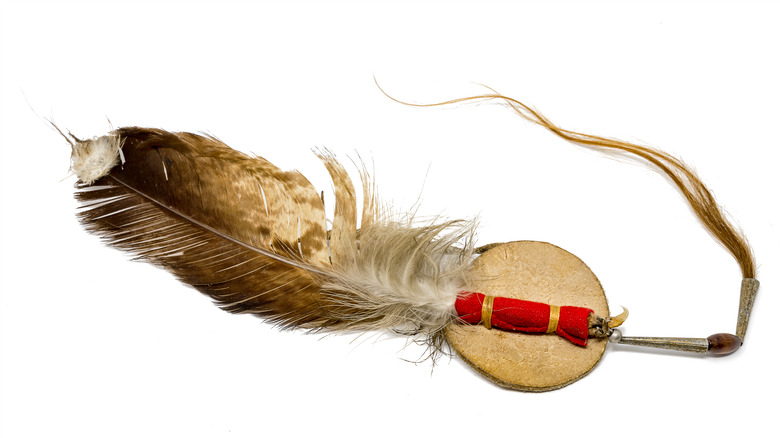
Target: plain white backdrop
94,345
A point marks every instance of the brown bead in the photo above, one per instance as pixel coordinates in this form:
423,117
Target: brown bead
723,343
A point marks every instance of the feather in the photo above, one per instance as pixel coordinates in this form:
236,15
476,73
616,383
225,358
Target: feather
252,236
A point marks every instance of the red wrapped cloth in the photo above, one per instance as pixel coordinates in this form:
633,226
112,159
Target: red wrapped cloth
525,316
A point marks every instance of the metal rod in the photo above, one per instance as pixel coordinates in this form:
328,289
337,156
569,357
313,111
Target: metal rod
746,298
696,345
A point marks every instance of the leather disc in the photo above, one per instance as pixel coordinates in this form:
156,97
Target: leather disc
534,271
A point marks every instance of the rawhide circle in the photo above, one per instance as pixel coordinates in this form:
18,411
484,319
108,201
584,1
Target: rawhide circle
534,271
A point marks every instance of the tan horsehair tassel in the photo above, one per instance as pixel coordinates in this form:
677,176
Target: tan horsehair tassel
252,237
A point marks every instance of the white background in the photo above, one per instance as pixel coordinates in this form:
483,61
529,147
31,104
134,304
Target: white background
94,345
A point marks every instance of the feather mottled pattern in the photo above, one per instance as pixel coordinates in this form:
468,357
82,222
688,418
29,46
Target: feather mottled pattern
205,212
253,237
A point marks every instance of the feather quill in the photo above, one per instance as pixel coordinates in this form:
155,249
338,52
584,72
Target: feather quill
252,236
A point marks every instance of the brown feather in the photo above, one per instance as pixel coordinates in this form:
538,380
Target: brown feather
343,244
174,202
252,237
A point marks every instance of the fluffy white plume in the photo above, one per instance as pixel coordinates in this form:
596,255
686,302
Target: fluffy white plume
93,159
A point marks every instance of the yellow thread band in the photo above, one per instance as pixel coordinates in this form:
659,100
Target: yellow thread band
555,315
487,312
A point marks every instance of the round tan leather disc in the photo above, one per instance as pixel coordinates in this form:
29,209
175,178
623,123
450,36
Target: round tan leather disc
534,271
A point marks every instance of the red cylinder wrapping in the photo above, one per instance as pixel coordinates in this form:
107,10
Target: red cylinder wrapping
525,316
